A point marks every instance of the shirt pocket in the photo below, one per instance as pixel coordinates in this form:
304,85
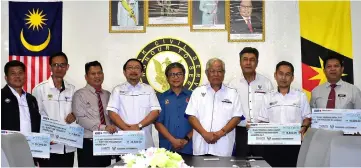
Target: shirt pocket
345,100
144,103
258,97
293,112
227,110
67,101
92,110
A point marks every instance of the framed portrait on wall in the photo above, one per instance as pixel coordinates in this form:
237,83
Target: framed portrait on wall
167,13
246,20
127,16
207,15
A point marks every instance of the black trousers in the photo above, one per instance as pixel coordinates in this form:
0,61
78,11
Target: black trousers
87,159
281,155
58,160
242,147
185,155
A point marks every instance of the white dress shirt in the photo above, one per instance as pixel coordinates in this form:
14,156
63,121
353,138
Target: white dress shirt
55,104
251,95
290,108
123,17
348,96
133,104
247,19
25,121
214,110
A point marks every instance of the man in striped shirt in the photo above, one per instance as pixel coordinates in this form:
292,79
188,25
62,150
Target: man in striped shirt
89,108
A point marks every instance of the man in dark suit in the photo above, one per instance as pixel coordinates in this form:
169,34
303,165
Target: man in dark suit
19,110
244,22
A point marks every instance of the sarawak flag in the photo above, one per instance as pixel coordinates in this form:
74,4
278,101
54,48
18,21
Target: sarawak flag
325,30
35,32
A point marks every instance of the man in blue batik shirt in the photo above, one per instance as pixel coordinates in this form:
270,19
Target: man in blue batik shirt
175,132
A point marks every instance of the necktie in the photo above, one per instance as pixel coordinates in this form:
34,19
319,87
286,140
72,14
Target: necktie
331,97
101,109
249,25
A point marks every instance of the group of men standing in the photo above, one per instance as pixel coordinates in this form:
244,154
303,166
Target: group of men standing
211,120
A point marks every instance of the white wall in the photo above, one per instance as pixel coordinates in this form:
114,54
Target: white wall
86,38
356,41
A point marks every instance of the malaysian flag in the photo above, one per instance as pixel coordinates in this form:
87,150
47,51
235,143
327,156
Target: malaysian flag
35,32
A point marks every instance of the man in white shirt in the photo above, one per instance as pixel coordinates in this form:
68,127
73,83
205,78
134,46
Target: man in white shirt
209,11
134,106
335,93
251,87
284,105
54,98
214,110
128,13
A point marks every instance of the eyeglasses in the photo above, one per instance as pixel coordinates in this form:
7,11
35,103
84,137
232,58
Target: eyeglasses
133,68
178,75
59,65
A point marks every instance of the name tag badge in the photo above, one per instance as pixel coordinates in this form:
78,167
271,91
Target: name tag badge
226,101
273,103
262,92
341,95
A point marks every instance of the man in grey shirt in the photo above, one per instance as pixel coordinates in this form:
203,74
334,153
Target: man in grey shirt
89,105
335,93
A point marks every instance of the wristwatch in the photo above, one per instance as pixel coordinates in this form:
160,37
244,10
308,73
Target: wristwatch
140,126
186,138
304,126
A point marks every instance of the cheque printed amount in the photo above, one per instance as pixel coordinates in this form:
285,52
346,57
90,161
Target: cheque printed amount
346,120
274,134
121,142
39,143
68,134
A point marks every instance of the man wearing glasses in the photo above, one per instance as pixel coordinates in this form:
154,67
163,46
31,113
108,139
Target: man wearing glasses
54,98
175,132
133,105
214,110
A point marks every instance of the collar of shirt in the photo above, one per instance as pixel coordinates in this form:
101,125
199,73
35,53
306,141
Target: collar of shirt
138,86
92,89
183,91
247,19
291,91
243,79
208,85
339,83
52,85
278,90
16,93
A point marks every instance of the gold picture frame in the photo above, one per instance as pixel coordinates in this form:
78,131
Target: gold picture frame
117,9
159,13
238,27
213,23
